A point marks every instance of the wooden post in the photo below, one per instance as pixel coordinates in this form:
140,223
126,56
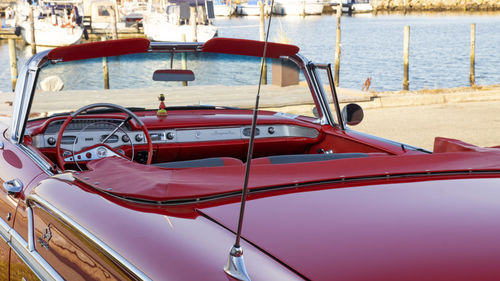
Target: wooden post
105,69
406,55
192,21
13,63
303,8
337,46
472,77
114,28
262,29
32,31
183,59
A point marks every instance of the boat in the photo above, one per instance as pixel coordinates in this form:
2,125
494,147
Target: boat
298,7
9,20
56,24
102,12
172,22
224,8
133,12
252,8
354,6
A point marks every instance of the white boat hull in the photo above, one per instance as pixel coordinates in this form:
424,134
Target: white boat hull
297,7
250,10
47,34
223,10
157,28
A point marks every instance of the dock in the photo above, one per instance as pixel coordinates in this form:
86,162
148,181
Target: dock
94,35
8,33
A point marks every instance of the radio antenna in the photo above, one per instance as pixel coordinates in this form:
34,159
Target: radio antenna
236,266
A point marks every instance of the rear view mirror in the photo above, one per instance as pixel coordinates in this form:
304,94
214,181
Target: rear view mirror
173,75
352,114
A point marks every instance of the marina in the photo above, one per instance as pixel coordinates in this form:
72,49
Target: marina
439,46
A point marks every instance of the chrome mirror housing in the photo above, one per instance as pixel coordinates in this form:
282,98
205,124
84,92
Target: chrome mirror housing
352,114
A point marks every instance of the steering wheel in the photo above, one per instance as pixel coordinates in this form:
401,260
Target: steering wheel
99,150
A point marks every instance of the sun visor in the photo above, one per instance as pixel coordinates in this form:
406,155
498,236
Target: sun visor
246,47
99,49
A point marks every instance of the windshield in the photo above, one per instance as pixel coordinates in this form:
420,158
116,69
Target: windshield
220,80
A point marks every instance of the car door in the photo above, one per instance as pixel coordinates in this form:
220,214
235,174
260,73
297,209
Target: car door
17,174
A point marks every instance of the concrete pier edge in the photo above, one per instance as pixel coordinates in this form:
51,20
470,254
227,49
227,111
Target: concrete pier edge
372,100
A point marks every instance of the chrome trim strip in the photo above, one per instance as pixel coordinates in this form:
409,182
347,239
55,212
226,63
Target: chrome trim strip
4,230
31,229
105,248
44,165
32,259
323,100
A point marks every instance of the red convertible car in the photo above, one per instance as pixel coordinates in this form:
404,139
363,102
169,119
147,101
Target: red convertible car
128,160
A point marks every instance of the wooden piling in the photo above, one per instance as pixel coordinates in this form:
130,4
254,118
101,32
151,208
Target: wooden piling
32,31
192,21
105,69
472,76
303,8
337,46
114,28
406,55
183,59
262,29
13,63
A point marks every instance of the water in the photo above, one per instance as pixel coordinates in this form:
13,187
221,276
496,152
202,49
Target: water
372,46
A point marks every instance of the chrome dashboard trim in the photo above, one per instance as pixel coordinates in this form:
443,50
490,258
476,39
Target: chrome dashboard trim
186,135
99,243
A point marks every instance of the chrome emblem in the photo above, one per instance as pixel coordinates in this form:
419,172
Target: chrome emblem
101,152
45,238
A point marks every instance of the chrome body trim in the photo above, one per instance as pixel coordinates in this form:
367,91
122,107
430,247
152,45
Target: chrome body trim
26,252
99,243
31,229
42,163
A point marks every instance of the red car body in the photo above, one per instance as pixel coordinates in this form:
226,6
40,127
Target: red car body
385,211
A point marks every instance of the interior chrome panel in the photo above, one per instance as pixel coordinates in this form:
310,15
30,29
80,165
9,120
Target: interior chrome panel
82,139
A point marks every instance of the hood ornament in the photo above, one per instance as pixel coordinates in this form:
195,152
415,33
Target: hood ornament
236,266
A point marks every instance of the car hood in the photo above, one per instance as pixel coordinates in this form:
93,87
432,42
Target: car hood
446,229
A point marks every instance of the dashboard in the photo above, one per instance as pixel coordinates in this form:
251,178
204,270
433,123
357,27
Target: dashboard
82,133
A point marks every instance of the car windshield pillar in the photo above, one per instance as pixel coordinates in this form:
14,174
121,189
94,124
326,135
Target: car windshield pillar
326,115
327,68
24,92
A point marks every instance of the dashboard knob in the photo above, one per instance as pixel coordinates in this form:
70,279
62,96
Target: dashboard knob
271,130
125,138
51,141
139,137
170,135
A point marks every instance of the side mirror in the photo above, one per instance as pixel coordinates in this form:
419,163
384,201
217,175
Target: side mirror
352,114
173,75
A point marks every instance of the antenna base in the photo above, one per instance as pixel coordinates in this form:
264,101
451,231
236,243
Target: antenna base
236,265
